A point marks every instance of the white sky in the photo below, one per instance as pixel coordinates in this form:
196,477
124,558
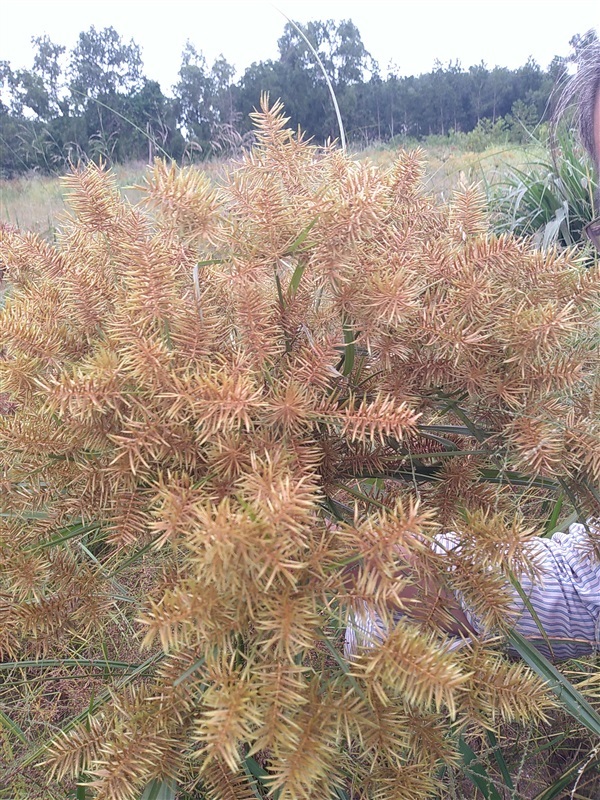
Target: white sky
409,33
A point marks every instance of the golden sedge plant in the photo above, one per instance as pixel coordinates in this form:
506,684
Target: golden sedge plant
229,414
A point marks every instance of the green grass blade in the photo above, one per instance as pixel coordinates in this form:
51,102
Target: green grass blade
11,726
349,349
360,496
71,531
446,454
568,696
476,772
575,771
102,698
296,278
531,609
500,760
563,525
446,443
341,662
47,663
258,775
189,671
24,514
299,241
459,430
160,790
80,792
516,479
133,558
553,519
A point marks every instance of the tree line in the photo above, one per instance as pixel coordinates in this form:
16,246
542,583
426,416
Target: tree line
96,102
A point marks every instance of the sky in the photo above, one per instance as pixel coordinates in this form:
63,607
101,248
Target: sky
409,34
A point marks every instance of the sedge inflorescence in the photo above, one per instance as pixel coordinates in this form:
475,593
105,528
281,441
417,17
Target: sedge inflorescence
229,413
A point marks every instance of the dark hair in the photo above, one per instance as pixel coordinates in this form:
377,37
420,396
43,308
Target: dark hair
580,93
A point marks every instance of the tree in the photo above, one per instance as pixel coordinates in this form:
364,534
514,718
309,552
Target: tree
479,77
339,47
580,44
38,89
194,95
260,77
47,66
351,61
222,73
103,65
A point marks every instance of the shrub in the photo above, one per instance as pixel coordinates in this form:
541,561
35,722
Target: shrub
551,201
225,400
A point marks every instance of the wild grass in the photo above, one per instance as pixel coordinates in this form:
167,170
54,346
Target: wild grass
448,166
552,198
174,390
36,202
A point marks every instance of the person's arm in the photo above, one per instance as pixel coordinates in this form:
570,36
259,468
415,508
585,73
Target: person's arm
423,598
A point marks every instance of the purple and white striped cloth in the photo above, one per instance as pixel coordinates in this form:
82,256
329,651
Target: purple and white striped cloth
566,599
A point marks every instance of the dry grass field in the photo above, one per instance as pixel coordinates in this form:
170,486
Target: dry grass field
36,202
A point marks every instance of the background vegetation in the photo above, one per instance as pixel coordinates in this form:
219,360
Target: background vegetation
95,101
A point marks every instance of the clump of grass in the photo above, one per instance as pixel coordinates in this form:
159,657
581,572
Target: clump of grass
449,165
226,397
550,200
32,203
36,203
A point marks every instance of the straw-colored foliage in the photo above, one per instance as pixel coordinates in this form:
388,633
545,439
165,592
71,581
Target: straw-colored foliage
232,413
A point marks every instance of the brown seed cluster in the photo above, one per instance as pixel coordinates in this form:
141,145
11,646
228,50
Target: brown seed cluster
200,386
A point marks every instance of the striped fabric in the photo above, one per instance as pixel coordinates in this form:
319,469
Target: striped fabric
566,600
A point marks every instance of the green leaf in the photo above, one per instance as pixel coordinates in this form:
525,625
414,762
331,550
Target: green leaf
46,663
133,558
189,671
568,696
447,454
529,606
553,518
210,261
24,514
80,792
446,443
258,775
479,433
572,498
70,532
160,790
295,280
11,726
360,496
342,663
102,698
350,349
296,244
459,430
500,760
564,525
476,772
340,793
515,479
